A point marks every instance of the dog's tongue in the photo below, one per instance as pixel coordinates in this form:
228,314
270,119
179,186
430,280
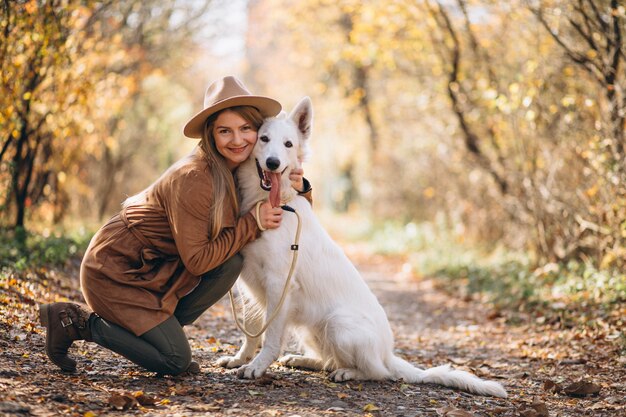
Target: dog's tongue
274,178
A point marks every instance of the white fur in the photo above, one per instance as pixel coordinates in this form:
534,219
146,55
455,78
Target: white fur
337,319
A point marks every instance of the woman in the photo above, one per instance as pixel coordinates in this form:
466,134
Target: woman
172,251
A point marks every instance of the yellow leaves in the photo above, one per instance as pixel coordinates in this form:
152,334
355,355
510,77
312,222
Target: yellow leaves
592,191
428,193
370,407
514,88
31,7
608,260
568,101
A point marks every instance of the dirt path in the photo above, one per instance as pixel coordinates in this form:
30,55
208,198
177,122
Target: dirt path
431,329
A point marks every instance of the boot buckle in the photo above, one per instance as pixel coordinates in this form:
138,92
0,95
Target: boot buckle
66,321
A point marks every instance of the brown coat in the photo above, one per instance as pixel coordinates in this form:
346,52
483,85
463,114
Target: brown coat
148,256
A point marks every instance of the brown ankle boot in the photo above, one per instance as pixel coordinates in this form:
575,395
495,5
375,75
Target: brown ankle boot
64,323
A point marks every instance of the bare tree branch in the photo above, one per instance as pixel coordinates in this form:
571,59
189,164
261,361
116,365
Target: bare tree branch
471,138
591,66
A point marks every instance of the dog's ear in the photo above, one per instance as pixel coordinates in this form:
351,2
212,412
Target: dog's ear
302,116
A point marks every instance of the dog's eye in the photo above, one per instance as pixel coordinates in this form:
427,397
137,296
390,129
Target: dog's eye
264,139
288,144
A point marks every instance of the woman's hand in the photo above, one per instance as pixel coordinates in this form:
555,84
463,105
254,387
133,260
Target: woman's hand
297,179
268,216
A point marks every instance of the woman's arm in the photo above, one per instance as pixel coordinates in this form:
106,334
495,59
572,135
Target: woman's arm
188,199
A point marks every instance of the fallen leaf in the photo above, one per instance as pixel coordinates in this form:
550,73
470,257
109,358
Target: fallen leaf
551,386
370,407
540,408
453,412
144,399
122,402
582,389
342,395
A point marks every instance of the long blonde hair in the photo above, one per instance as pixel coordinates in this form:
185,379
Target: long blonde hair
223,180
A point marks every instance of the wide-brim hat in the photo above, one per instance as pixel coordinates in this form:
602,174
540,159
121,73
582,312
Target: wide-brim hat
224,93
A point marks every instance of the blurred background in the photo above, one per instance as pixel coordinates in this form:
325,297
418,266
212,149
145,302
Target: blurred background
441,128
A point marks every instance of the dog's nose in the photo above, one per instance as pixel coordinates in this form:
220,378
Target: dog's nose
272,163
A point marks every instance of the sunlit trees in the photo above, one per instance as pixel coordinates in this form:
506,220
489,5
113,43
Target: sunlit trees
506,116
72,73
43,97
590,35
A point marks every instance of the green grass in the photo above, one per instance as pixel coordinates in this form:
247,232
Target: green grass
20,250
502,277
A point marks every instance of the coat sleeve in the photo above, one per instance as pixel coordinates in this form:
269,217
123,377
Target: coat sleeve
188,207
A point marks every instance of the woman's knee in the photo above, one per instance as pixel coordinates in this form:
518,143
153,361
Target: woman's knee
171,353
232,267
177,363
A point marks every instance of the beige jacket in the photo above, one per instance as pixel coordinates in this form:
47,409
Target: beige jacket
148,256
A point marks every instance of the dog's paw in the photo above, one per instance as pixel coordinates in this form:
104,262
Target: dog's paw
250,372
299,361
230,362
290,360
343,374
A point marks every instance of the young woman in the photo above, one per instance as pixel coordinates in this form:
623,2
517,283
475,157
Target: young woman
172,251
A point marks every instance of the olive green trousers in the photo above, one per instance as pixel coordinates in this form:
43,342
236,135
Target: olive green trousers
165,349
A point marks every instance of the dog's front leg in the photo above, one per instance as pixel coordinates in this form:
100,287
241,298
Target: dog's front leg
272,340
253,325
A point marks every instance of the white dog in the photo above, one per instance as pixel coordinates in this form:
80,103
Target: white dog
339,323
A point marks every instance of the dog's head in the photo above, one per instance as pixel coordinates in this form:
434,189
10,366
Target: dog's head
281,146
282,142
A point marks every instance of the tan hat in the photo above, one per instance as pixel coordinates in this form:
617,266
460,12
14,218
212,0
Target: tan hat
224,93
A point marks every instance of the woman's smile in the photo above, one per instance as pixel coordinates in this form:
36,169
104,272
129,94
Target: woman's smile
239,149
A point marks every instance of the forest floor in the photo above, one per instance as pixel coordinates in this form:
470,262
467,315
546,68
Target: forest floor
547,368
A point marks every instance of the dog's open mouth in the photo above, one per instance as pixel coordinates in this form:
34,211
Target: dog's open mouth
270,181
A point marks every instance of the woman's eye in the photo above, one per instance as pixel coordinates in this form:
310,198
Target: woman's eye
288,144
222,131
246,128
265,139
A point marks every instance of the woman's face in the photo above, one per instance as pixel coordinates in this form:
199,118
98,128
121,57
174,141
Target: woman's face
234,137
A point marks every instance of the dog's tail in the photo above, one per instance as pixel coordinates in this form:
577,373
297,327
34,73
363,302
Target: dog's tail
445,375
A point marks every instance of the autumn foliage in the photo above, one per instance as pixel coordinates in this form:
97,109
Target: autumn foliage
502,120
506,118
